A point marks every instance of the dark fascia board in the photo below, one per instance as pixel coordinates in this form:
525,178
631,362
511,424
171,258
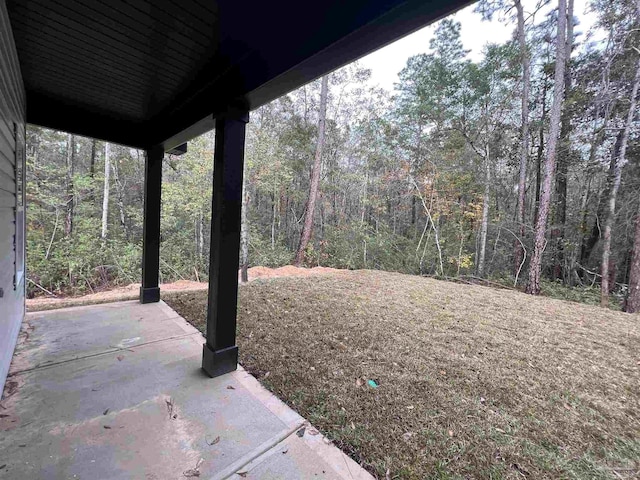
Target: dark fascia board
203,126
57,115
394,25
179,150
204,100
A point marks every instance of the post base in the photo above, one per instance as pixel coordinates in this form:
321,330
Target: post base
149,295
219,362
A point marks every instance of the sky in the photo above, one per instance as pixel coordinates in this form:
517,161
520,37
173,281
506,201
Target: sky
475,33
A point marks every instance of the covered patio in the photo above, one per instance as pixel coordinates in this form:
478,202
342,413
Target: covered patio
116,391
110,391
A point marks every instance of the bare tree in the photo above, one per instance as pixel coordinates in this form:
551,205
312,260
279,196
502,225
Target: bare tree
307,229
535,267
105,197
70,200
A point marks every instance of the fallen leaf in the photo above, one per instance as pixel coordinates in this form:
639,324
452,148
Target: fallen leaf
214,441
105,412
242,474
120,357
300,432
230,387
107,427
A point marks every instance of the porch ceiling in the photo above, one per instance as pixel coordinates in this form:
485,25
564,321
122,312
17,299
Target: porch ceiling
140,72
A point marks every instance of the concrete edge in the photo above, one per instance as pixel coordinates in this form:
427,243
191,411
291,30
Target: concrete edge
76,307
343,465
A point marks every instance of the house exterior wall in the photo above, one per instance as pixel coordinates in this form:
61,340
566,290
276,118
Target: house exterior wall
12,197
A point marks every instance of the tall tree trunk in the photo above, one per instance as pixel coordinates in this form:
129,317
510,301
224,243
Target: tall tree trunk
485,213
92,165
307,229
632,304
535,267
70,197
611,216
120,198
540,151
558,231
244,231
524,136
105,197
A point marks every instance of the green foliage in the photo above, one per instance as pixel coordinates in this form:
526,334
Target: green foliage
405,176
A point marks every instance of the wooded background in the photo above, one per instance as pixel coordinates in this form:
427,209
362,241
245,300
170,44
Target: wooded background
521,168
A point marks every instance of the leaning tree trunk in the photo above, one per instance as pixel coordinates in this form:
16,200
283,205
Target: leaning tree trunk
620,162
105,197
535,267
524,135
307,229
70,197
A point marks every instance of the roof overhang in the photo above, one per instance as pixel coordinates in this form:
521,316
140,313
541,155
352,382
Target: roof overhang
144,73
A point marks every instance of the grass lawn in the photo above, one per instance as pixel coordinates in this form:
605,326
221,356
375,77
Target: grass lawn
473,382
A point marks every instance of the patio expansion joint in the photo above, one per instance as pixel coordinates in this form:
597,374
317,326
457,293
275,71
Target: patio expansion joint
43,366
261,449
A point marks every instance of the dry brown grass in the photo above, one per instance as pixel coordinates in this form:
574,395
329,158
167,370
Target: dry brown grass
473,382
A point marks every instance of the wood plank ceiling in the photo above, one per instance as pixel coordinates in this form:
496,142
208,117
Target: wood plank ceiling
139,72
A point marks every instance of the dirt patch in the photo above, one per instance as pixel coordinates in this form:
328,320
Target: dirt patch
132,291
432,379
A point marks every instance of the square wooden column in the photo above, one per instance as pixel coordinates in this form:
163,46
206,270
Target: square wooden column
220,353
150,291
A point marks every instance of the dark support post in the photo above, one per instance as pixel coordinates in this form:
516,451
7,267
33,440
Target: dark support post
220,353
150,291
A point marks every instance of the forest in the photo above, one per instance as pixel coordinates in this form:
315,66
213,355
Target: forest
521,168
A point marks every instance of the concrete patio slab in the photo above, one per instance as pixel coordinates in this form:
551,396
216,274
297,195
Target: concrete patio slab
115,391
